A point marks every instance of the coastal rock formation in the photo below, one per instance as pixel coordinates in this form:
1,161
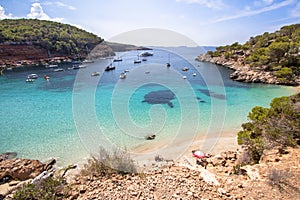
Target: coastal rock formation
276,177
192,181
271,58
244,72
20,169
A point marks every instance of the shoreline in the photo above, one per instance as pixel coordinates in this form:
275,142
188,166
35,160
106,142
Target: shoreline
182,149
244,73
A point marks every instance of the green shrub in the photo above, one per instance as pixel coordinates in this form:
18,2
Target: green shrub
48,189
284,74
278,125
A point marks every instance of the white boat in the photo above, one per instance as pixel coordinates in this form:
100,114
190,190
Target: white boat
32,76
184,77
88,61
58,70
122,75
95,74
50,66
126,70
194,74
185,69
145,54
119,59
82,66
168,63
29,80
137,61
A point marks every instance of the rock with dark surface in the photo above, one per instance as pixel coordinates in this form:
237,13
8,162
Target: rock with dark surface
20,169
150,137
7,155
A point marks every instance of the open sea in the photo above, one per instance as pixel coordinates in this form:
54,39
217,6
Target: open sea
72,114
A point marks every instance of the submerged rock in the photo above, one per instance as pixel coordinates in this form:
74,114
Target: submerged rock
160,97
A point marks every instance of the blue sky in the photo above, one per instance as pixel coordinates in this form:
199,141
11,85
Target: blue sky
207,22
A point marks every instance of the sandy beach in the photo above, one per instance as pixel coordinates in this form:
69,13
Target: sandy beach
181,150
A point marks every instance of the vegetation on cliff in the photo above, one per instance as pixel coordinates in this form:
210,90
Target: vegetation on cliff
277,126
278,53
56,38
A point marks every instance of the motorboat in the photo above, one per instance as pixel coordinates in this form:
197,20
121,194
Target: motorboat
51,66
137,61
185,69
110,67
122,75
168,63
95,74
119,59
58,70
194,74
145,54
75,66
32,76
147,72
82,66
184,77
30,80
126,70
87,61
144,59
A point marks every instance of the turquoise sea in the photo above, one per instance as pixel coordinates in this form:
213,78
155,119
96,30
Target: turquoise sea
74,113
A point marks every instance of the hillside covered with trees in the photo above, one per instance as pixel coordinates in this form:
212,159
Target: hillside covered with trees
270,57
35,39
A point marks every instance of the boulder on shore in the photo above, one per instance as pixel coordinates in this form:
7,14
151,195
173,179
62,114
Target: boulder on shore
20,169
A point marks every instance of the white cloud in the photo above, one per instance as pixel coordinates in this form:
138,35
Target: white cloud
263,2
296,11
268,2
214,4
37,12
60,4
247,13
3,15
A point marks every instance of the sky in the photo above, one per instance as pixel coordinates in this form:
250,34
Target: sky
204,22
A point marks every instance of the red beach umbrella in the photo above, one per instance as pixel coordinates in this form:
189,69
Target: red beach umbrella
199,154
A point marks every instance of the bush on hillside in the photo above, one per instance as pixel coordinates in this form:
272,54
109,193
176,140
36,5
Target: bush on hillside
108,163
277,126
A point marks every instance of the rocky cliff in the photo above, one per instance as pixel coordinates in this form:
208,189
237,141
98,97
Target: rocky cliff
272,58
244,72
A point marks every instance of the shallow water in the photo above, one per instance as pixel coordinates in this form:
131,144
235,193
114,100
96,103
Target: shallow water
72,114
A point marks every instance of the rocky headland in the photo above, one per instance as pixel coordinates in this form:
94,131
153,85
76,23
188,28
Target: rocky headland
242,73
271,58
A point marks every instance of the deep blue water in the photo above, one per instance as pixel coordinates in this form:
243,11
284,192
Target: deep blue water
72,114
